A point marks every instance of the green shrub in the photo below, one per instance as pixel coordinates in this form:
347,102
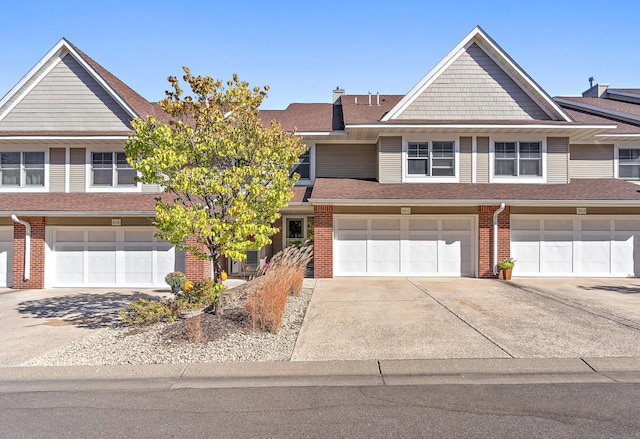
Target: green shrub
146,312
203,294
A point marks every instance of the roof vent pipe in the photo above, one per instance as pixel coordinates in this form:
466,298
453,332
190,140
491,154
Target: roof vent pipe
369,98
356,100
378,99
27,246
495,238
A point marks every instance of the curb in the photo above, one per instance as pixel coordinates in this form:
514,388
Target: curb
322,373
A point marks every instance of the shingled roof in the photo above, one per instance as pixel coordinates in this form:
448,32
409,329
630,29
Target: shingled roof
585,190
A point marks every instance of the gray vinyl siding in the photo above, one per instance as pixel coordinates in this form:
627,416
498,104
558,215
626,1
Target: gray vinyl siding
346,161
67,98
591,161
390,160
465,159
57,161
77,169
474,87
482,160
557,159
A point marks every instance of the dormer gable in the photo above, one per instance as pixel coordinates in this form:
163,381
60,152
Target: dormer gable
477,80
67,92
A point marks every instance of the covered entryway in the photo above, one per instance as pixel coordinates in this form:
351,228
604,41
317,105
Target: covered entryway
397,245
6,255
576,246
110,257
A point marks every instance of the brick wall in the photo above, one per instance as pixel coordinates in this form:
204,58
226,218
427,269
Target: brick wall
323,242
485,239
36,279
197,269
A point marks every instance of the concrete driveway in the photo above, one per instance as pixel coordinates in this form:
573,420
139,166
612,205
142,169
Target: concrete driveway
430,318
34,322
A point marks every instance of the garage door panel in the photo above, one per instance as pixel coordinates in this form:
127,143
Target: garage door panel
397,245
576,246
115,257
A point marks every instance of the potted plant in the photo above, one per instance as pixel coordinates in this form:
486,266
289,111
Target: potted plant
175,280
507,267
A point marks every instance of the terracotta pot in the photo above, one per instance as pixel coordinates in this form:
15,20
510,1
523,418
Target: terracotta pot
506,273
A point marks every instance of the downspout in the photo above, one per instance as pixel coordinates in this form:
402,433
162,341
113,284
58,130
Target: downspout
495,238
27,246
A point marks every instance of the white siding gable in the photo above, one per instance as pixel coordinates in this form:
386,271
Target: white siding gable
474,87
68,98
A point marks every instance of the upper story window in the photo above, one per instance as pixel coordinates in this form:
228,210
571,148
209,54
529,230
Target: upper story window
516,159
629,163
303,166
430,160
22,169
110,169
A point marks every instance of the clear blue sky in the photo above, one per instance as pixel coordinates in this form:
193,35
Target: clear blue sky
303,49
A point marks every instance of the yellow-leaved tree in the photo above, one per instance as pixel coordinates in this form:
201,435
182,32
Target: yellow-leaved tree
229,173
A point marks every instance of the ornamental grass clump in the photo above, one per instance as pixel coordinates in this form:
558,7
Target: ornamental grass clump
146,311
284,276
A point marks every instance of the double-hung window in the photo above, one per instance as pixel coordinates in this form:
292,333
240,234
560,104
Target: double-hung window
303,166
22,169
629,163
431,159
111,169
515,159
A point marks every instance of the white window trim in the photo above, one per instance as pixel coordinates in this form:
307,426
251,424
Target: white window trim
411,178
304,217
312,167
29,188
616,159
510,179
88,175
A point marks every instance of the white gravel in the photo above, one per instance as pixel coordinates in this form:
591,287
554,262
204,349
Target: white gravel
112,346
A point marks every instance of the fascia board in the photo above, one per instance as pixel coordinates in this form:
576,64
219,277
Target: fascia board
486,126
465,202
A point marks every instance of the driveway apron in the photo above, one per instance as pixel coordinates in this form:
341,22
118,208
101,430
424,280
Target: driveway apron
384,318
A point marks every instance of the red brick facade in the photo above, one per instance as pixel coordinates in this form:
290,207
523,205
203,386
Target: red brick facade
36,279
485,239
323,242
197,269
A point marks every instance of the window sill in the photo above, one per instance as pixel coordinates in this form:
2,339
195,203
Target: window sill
426,179
524,180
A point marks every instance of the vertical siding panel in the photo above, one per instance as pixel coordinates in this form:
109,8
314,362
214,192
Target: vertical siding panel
557,159
465,159
346,161
390,160
77,171
56,169
482,160
591,161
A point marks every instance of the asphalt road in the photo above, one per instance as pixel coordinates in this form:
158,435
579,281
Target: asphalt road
592,410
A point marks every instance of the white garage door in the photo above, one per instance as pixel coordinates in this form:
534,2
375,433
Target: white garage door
576,246
6,255
403,246
114,257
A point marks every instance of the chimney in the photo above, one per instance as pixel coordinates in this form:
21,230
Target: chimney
595,90
337,93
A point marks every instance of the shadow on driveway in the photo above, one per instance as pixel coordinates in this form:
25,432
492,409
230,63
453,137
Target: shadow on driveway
84,310
614,288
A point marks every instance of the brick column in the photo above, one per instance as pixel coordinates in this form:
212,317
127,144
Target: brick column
323,241
485,239
36,278
196,269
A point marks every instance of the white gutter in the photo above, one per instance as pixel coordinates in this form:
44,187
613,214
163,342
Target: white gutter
27,246
495,237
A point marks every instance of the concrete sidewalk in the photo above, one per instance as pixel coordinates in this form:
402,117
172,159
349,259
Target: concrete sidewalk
322,373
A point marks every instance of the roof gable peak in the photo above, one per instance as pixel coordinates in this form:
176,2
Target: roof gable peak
495,53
